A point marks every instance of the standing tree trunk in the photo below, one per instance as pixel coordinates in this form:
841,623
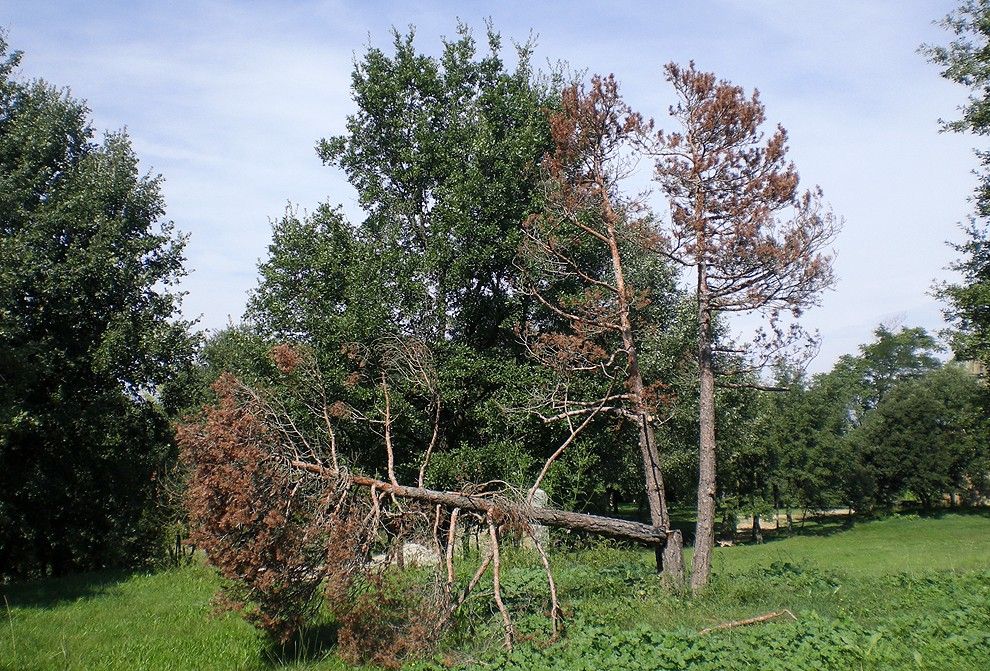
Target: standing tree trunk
704,535
669,555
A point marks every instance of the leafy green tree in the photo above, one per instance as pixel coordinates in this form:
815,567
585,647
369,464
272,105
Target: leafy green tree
845,398
443,153
808,451
858,383
88,335
306,284
966,61
892,357
236,349
928,436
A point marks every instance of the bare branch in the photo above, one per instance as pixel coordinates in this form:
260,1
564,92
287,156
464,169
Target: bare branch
575,432
556,613
497,582
433,441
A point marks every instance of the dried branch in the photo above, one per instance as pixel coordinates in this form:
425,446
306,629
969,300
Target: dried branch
748,621
387,428
497,582
751,385
433,442
556,614
451,537
575,432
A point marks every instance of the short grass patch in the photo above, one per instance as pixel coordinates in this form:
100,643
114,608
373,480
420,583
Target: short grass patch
901,593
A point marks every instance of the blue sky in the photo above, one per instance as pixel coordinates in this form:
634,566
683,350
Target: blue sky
227,100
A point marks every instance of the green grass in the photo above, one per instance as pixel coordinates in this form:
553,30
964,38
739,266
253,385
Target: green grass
905,592
904,543
114,621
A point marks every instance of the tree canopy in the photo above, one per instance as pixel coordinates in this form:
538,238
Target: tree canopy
88,334
966,61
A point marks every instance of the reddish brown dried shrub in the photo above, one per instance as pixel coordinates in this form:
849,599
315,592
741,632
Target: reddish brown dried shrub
283,538
254,519
389,624
286,358
291,530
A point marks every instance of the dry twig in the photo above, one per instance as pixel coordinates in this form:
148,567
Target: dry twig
748,621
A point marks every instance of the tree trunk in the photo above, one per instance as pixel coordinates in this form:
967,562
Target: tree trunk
595,524
669,555
671,567
672,558
704,536
655,493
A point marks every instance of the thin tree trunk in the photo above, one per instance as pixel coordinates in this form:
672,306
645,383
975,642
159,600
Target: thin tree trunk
668,555
757,532
669,559
704,536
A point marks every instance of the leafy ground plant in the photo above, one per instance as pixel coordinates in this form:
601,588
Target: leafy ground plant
901,593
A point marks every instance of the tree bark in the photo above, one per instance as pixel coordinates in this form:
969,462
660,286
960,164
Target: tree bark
704,536
669,555
563,519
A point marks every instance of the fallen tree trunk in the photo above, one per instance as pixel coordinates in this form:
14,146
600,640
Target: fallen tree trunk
596,524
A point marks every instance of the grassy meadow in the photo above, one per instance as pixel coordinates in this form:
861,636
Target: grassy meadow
906,592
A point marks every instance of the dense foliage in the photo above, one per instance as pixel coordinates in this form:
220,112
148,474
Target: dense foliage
892,423
966,61
88,336
441,152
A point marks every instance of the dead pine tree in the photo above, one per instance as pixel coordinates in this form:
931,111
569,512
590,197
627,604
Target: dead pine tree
574,258
738,219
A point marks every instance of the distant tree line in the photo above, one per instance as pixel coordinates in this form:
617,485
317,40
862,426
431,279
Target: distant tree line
889,424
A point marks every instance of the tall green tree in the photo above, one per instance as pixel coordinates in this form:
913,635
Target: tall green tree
966,61
88,335
892,357
443,153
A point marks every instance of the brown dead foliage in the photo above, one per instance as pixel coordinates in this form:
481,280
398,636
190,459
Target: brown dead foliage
289,542
258,523
385,626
